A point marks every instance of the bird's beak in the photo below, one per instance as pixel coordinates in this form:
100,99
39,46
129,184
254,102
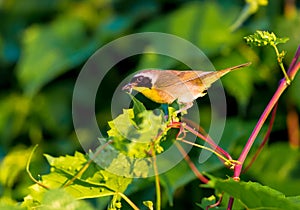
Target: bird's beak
127,88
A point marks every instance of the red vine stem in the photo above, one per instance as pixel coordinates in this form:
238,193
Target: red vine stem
265,140
204,138
293,69
191,164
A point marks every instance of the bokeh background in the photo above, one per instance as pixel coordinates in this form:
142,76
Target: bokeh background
44,44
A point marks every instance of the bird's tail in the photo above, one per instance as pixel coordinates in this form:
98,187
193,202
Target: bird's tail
225,71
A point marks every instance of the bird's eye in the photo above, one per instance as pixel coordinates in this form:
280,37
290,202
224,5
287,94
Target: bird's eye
139,79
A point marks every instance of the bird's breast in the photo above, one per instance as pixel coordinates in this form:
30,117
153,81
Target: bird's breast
158,96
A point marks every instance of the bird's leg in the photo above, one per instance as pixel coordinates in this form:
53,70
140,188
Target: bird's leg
165,109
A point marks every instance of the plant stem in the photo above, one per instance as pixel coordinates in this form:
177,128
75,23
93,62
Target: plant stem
226,161
258,127
157,182
205,138
279,59
128,201
28,169
230,203
294,67
246,12
191,164
265,140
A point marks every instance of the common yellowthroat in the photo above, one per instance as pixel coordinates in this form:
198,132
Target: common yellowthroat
165,86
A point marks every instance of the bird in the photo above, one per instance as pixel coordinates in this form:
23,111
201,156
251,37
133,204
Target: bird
185,86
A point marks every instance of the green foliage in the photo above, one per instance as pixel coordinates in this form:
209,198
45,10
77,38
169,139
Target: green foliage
190,17
132,138
285,168
93,182
12,165
53,49
43,46
264,38
60,199
254,195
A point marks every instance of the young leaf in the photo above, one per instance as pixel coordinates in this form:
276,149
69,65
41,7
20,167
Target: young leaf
134,139
138,107
264,38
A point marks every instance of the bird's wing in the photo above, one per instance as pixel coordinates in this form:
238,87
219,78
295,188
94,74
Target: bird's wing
171,77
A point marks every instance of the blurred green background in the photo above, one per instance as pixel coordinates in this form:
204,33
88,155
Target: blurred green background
44,44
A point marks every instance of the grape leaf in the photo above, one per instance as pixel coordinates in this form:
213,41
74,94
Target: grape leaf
254,195
93,182
58,199
135,139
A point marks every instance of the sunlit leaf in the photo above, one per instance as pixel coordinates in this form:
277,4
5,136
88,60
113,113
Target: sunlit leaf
93,182
138,107
12,166
59,199
135,139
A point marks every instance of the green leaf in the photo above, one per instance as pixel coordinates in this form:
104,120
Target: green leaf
6,206
278,173
93,175
12,107
50,51
93,182
117,162
59,199
12,166
254,195
134,139
200,23
63,162
120,125
138,107
53,113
